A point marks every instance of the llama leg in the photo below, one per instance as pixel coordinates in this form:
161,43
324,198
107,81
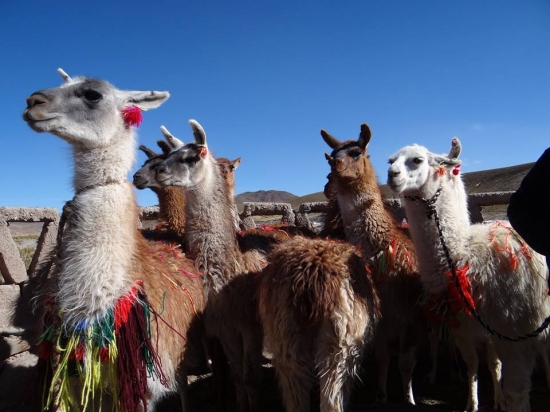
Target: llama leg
236,355
407,362
336,376
338,361
294,374
517,367
434,355
495,367
469,355
382,363
220,375
181,378
545,362
252,370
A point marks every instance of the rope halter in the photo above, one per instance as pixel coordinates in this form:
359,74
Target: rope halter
430,203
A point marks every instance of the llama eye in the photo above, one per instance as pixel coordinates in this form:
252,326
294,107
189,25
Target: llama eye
417,160
355,155
190,160
92,95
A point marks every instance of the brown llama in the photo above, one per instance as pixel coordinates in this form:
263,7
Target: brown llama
369,223
171,199
333,227
230,276
119,319
319,309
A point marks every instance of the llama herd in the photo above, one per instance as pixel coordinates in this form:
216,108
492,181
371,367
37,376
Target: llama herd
128,314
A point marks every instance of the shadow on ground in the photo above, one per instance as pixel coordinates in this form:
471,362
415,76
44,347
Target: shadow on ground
447,394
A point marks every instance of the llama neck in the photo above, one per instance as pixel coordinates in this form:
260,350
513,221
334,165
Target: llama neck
452,212
210,231
367,223
100,233
172,208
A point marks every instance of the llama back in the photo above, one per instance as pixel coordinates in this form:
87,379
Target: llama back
514,269
314,277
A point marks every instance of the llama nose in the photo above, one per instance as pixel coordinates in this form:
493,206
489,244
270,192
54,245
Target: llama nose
36,99
393,173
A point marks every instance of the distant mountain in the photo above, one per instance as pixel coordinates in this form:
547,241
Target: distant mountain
265,196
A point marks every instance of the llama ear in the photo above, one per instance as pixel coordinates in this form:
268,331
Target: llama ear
456,148
235,163
330,140
364,136
148,152
165,147
173,141
145,100
445,161
198,132
329,158
64,75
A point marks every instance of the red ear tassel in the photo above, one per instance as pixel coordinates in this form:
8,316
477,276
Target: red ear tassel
132,115
203,151
456,170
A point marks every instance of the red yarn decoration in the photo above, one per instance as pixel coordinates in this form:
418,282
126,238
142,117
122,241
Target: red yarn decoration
132,115
203,151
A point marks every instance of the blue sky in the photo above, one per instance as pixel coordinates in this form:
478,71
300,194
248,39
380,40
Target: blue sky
263,77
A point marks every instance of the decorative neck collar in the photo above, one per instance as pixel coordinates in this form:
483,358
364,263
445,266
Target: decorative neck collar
107,183
430,203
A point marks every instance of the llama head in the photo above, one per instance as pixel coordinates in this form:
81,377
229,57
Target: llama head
145,177
348,160
87,112
415,171
188,165
227,168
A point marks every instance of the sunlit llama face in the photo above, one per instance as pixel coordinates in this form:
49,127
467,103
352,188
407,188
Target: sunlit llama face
348,160
86,112
415,171
83,111
409,169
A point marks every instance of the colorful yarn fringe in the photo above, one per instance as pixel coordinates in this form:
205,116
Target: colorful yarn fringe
444,310
384,262
112,353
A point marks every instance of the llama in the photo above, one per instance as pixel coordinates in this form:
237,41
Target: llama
319,310
482,269
138,300
171,198
229,274
368,223
333,226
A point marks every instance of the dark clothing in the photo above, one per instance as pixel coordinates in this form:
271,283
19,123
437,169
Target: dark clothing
529,208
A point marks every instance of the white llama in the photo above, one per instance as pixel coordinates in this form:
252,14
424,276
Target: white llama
121,314
502,281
